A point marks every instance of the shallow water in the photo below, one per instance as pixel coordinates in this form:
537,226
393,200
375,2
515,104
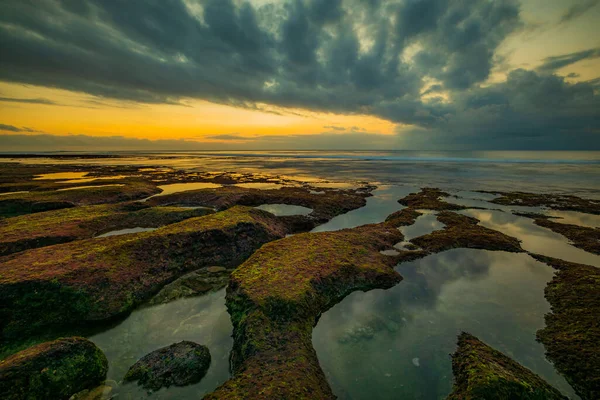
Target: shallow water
126,231
379,206
11,193
94,178
203,320
390,344
534,238
60,175
575,218
424,225
260,185
88,187
282,210
183,187
533,171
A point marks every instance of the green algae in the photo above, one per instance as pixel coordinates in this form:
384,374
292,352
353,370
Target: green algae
462,231
429,199
554,201
325,206
572,333
100,279
52,370
34,202
276,296
484,373
583,237
61,226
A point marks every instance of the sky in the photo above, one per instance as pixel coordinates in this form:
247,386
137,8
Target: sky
299,75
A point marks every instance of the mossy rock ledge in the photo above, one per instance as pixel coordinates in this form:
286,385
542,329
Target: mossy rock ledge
276,297
179,364
483,373
61,226
52,370
572,332
96,280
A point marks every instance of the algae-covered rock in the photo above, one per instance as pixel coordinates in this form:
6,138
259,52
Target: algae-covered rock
61,226
583,237
193,284
98,279
277,295
179,364
52,370
572,333
554,201
34,202
461,231
482,373
325,206
429,199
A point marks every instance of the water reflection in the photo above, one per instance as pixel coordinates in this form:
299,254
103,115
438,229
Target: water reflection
88,187
260,185
126,231
201,319
183,187
282,210
396,343
533,238
60,175
379,206
576,218
423,225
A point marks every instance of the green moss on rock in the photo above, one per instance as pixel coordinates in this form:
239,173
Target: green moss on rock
429,199
325,206
34,202
61,226
572,333
52,370
464,232
482,373
554,201
277,295
179,364
102,278
583,237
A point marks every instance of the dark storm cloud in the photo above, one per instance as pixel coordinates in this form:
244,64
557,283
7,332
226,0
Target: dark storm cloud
29,101
551,64
230,137
12,128
373,57
578,9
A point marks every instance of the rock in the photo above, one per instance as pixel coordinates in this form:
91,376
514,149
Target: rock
193,284
99,279
61,226
480,372
179,364
572,332
52,370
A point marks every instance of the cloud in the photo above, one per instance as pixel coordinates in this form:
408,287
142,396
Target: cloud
577,9
230,137
383,58
30,101
12,128
335,128
551,64
295,53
